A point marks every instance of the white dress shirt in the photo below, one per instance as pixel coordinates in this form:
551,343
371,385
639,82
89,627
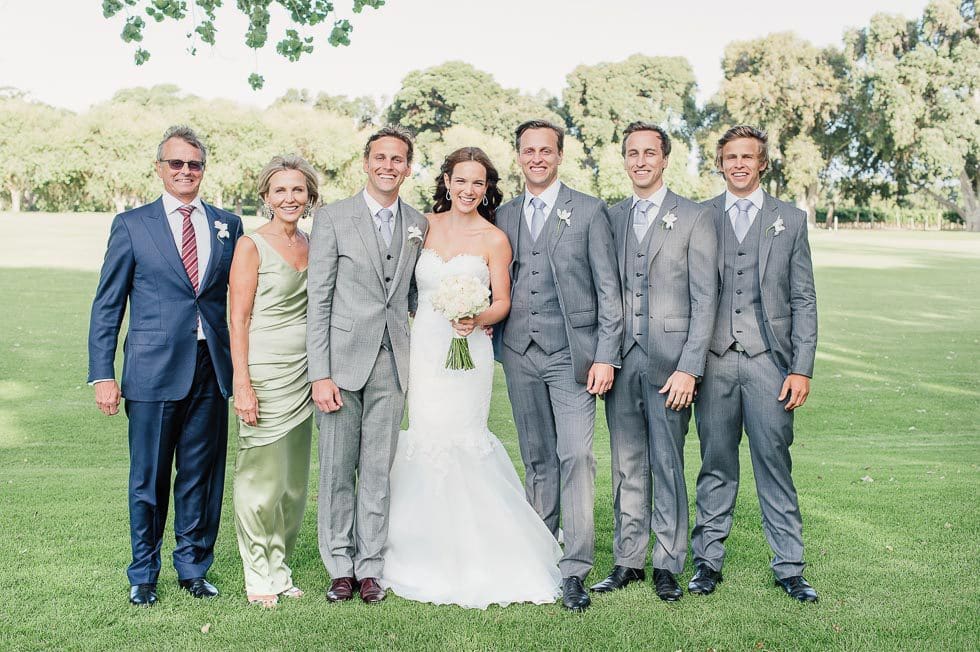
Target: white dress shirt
657,199
549,197
757,197
202,234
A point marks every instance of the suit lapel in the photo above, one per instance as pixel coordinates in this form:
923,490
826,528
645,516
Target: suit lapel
217,248
364,224
512,227
406,217
768,215
162,237
551,226
621,219
660,231
720,218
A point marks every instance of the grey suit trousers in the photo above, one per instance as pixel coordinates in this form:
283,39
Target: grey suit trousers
740,390
357,448
647,437
555,419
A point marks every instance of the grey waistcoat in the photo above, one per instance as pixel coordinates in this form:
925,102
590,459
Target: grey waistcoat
636,308
389,259
740,308
535,314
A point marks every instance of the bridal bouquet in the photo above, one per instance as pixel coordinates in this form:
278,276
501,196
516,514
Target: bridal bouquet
458,297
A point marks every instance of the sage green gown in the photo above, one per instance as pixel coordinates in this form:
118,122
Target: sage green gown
273,464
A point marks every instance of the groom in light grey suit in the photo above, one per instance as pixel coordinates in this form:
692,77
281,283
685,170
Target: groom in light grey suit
362,259
667,250
759,365
560,344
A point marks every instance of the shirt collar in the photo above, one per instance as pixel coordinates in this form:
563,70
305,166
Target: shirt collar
657,198
549,196
757,198
374,206
171,204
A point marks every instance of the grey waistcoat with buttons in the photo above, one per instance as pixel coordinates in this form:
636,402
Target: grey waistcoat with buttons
637,270
389,258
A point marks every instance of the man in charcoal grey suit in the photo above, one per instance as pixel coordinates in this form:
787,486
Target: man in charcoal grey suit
362,258
560,344
759,365
667,250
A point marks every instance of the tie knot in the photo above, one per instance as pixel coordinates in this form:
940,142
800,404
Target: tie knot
537,203
743,205
385,215
643,206
186,211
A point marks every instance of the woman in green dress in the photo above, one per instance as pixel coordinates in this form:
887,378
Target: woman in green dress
272,393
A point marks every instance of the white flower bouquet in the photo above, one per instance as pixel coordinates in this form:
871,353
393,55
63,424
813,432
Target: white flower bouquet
459,297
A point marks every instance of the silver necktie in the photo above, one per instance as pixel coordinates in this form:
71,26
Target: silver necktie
742,222
386,217
537,217
641,217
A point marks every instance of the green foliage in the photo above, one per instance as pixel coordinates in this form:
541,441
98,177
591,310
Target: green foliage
292,45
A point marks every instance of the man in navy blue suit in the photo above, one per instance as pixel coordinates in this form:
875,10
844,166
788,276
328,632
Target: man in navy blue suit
169,260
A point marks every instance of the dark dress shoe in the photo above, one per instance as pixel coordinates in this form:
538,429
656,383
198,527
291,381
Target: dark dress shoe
143,595
371,591
342,589
666,585
619,577
573,595
199,587
798,588
704,581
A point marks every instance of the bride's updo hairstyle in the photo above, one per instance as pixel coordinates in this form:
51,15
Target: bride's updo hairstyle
461,155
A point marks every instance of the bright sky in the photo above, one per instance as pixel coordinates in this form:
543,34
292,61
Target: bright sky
63,52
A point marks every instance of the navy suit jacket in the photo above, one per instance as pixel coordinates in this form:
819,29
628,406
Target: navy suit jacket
142,266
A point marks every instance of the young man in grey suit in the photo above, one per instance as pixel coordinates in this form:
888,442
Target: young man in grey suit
667,248
560,344
362,259
759,365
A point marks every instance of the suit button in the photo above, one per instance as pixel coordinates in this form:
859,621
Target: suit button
387,279
638,314
738,331
639,255
534,273
738,292
534,330
534,312
738,311
741,253
639,294
534,291
535,253
389,256
739,273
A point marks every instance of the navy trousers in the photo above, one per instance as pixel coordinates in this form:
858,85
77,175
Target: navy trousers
193,432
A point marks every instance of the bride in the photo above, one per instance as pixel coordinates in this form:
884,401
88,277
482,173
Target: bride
460,530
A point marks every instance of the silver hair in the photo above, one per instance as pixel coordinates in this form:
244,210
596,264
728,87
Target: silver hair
187,135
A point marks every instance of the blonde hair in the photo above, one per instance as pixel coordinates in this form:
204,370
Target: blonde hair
289,162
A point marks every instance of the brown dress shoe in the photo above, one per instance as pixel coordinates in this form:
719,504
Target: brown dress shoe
341,589
371,591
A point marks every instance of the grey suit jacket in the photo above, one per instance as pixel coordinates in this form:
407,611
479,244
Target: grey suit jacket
583,263
683,292
789,299
349,306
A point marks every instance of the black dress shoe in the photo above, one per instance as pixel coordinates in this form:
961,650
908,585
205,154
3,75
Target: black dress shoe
798,588
619,577
199,587
704,581
666,585
573,594
143,595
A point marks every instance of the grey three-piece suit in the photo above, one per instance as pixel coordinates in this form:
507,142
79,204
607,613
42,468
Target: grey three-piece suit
766,328
566,314
357,334
670,289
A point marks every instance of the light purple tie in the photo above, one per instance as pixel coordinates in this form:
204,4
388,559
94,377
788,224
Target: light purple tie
742,222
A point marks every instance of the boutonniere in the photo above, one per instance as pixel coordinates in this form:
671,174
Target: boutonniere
776,227
414,233
563,216
222,229
669,220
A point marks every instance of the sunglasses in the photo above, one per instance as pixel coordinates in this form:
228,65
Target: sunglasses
176,164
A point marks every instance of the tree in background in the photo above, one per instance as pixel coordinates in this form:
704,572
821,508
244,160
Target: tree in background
24,141
793,90
915,126
303,15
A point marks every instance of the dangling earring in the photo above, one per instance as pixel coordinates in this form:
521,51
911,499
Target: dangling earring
308,210
486,202
449,197
267,212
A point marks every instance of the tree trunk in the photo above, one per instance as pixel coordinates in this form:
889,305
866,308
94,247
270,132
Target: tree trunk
830,215
119,202
971,210
14,199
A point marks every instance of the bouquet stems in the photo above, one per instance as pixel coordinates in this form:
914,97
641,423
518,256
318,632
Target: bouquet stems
459,354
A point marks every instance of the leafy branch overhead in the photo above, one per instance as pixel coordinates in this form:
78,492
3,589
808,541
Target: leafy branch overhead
292,45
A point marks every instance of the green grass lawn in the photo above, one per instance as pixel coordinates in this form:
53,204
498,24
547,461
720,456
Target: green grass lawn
886,459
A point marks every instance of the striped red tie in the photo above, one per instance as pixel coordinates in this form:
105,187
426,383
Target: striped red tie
188,250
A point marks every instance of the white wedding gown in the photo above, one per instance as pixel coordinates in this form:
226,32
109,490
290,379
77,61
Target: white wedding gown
460,530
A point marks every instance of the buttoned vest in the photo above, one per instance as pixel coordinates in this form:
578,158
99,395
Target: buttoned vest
389,260
740,317
636,269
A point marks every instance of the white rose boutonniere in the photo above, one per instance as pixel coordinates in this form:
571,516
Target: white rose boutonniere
222,229
563,216
669,220
777,227
414,233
